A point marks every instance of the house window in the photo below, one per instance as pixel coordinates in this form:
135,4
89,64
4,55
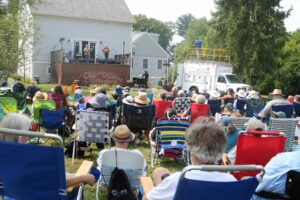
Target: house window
49,70
159,64
145,63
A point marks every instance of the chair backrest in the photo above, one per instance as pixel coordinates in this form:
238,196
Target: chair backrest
59,100
171,134
161,107
52,119
150,96
138,118
215,106
182,104
198,110
297,108
254,106
200,189
20,97
228,100
92,125
119,91
239,122
240,105
131,162
288,109
23,165
8,104
288,127
257,147
41,104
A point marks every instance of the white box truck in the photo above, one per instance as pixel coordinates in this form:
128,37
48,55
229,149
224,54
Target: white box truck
209,75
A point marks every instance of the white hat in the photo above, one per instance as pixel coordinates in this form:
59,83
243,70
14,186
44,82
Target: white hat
215,94
98,101
253,95
241,93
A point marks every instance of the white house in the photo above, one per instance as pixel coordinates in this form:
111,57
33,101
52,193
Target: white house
71,24
148,55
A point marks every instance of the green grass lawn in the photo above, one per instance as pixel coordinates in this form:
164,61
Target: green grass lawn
144,147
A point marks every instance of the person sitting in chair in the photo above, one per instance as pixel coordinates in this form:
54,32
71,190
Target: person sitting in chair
122,137
206,144
141,99
32,89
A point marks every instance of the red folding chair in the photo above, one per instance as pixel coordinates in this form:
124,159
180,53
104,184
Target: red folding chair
198,110
161,107
257,147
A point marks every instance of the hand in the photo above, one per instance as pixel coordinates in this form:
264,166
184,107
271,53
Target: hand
90,179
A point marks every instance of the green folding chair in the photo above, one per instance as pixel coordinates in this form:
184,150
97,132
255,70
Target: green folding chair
41,104
8,104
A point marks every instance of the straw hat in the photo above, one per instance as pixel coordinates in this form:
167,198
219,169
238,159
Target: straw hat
40,96
241,93
122,134
142,98
215,94
98,101
277,92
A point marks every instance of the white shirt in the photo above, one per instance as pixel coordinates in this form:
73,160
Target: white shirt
167,188
99,159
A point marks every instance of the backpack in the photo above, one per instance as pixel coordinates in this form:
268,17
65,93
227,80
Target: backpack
119,186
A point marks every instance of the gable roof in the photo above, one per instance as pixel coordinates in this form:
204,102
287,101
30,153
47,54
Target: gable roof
151,48
103,10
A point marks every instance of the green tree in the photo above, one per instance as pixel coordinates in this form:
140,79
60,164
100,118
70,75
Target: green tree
254,32
289,74
155,26
182,24
14,34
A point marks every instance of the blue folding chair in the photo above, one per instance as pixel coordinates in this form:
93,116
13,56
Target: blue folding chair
32,172
214,106
150,96
52,119
240,105
119,91
288,109
297,109
254,106
237,190
138,118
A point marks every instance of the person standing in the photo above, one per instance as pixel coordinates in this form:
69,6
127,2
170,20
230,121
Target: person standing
145,76
87,52
198,45
105,52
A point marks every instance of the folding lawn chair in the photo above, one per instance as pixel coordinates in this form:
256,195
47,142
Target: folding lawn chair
181,104
228,100
92,126
288,127
198,189
138,118
288,109
161,107
41,104
131,162
198,110
33,172
21,98
119,91
254,106
239,122
8,104
240,105
150,96
170,138
214,106
297,109
257,147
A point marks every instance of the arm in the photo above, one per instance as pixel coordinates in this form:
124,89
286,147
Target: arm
83,179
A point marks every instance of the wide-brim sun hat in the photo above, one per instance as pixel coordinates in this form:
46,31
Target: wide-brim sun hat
241,93
122,134
40,96
215,94
128,100
142,98
253,95
277,92
98,101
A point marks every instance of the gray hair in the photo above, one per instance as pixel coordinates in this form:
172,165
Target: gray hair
14,121
206,142
200,99
181,93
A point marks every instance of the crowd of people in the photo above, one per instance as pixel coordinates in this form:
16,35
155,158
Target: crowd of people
207,140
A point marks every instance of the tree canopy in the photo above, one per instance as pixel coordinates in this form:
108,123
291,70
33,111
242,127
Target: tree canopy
155,26
182,24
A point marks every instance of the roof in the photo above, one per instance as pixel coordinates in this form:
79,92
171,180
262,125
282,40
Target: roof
103,10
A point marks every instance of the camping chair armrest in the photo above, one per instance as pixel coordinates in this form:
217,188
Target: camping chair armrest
271,195
147,184
84,169
225,159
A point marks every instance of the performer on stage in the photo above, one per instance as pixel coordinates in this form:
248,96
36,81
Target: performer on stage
105,51
87,52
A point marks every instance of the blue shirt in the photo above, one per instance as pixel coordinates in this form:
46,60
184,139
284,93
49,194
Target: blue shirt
274,179
232,139
198,44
